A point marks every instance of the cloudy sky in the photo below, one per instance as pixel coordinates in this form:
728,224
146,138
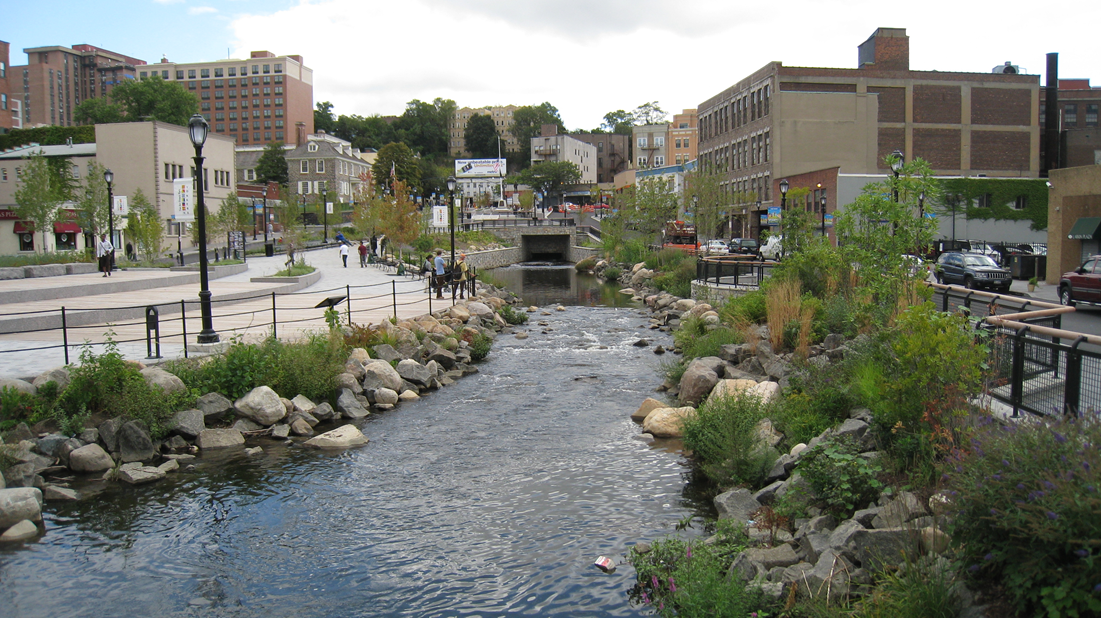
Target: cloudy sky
587,57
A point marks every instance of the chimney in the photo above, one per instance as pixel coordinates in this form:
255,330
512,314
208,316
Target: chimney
1051,115
888,49
300,133
548,130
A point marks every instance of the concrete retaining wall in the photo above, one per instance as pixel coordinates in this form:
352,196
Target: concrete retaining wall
494,258
580,253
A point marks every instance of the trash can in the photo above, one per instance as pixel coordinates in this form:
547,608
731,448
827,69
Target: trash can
269,249
1022,266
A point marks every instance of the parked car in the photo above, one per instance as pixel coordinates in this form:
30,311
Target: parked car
716,247
773,248
744,246
972,270
984,248
916,265
1082,284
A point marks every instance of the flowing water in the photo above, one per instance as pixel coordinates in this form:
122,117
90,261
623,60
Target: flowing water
490,497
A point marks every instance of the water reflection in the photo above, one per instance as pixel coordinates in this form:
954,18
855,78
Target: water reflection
546,283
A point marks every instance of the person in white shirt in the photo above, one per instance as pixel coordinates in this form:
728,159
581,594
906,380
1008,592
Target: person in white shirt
104,250
344,254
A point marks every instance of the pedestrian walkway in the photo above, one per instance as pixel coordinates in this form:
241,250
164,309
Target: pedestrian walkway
374,295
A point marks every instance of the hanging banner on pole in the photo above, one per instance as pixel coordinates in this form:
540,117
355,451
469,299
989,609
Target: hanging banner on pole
122,209
829,220
182,207
328,208
773,215
439,216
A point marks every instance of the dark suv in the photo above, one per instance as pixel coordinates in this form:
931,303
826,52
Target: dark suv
744,246
973,270
1082,284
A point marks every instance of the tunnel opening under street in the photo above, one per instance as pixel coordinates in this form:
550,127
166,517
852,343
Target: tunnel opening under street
545,248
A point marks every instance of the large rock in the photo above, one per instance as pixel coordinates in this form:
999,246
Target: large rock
379,374
880,549
188,423
349,381
261,405
108,434
770,558
360,355
219,438
303,404
19,503
341,437
737,504
48,445
22,475
481,310
459,312
58,375
155,376
324,412
647,406
385,352
90,459
384,396
897,512
667,422
349,406
698,381
134,443
414,372
20,385
66,448
25,530
214,406
141,475
355,368
828,580
444,358
301,428
731,388
767,392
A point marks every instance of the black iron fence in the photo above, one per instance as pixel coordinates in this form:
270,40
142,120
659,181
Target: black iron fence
732,271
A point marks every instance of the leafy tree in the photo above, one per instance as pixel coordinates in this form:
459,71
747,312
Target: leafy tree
482,137
288,212
145,227
153,98
373,132
424,127
707,202
644,209
97,111
233,216
272,165
549,177
398,216
91,202
365,214
48,136
38,196
399,158
433,177
618,122
323,119
527,121
649,113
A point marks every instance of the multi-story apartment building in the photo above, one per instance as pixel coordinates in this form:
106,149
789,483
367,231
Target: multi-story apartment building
56,79
613,153
550,146
1079,138
265,98
502,117
325,165
683,137
782,121
6,123
650,145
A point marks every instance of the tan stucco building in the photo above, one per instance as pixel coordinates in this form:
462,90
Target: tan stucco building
1074,209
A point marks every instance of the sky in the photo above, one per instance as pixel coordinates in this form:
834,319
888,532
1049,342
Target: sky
586,57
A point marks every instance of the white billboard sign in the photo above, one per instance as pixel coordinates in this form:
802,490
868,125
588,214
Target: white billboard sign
122,208
183,208
480,168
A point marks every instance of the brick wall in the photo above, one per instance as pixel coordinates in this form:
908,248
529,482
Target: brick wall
1000,150
1001,106
940,147
820,87
890,140
892,103
937,104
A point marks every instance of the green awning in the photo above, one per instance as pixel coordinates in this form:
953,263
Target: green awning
1085,228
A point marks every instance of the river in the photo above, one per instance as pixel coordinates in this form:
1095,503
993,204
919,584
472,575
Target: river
490,497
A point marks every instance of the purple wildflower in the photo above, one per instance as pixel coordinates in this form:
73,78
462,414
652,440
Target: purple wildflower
1060,438
988,557
1021,486
1005,463
689,552
645,598
654,580
1097,588
997,477
1052,515
672,586
994,512
1049,485
1081,553
973,568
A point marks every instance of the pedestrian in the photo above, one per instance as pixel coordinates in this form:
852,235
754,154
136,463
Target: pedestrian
362,255
130,252
374,245
464,274
104,251
290,256
426,272
440,280
344,254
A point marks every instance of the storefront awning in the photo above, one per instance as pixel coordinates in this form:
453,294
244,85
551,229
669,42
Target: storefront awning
1085,228
23,227
66,228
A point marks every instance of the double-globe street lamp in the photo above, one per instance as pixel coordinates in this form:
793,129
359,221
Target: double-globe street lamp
109,176
897,161
198,129
451,214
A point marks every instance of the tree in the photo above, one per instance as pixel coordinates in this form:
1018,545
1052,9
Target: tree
549,177
97,111
618,122
38,198
145,227
649,113
425,127
528,121
153,98
323,119
706,200
289,214
91,203
398,217
482,138
272,165
233,216
396,157
650,206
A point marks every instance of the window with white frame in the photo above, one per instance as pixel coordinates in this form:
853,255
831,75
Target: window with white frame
321,166
303,187
311,147
642,142
250,174
642,161
659,161
304,167
659,141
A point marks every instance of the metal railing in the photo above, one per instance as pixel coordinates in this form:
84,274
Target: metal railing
740,272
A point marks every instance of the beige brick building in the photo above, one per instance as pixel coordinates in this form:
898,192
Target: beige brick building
502,118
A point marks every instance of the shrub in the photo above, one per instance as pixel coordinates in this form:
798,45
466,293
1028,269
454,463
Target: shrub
1025,500
632,252
585,265
840,477
479,346
512,316
612,273
677,281
696,340
667,259
745,308
300,268
722,436
923,588
15,406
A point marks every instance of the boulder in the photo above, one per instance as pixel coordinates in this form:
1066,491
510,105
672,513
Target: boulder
770,558
648,405
141,475
414,372
89,435
188,423
219,438
301,428
20,385
667,422
385,352
459,312
881,549
360,355
355,368
349,406
903,508
213,406
408,396
244,426
342,437
934,540
21,475
745,569
349,381
19,503
155,376
90,459
828,579
66,448
737,504
58,375
261,405
379,374
767,434
731,388
108,434
280,431
25,530
443,358
170,465
385,396
767,494
698,381
49,444
306,416
324,412
767,392
303,403
134,443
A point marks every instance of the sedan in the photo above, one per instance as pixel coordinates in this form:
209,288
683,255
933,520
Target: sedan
716,247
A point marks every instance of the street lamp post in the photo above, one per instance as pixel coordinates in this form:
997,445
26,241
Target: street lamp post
451,213
822,201
109,176
897,161
783,202
303,211
198,129
254,219
325,216
921,205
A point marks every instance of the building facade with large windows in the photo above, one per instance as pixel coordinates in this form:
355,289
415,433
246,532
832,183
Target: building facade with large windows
502,119
262,99
326,168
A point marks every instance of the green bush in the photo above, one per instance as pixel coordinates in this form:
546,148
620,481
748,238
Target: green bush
722,436
15,407
748,307
922,588
33,259
612,273
842,479
585,265
801,416
299,269
678,280
1026,503
668,259
512,316
479,347
631,252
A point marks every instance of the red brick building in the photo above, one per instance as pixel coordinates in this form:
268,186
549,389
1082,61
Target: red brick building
1079,134
5,98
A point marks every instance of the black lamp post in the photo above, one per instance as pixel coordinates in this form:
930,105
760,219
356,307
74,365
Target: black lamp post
254,219
897,161
303,211
198,129
451,213
783,202
325,216
921,205
822,201
109,176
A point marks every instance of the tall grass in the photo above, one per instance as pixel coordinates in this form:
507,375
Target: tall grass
782,303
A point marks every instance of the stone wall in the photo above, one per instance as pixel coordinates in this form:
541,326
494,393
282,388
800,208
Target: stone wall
494,258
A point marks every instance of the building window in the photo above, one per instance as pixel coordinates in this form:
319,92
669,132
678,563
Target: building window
256,71
279,135
218,94
1020,203
142,75
984,200
279,68
190,85
642,161
204,94
220,128
687,140
320,166
1091,115
278,101
205,106
219,116
279,79
278,113
3,101
217,72
26,242
304,167
232,126
219,105
642,142
1070,115
659,141
164,74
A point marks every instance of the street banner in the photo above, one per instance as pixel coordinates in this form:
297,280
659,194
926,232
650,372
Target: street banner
328,208
773,215
829,219
439,216
182,207
122,209
480,168
764,219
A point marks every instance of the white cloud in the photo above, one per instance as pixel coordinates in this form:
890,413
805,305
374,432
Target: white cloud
201,10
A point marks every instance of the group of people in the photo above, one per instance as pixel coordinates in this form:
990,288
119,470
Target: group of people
457,275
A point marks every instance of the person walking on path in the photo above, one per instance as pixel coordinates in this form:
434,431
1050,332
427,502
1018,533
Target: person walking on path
464,273
426,272
439,274
290,256
362,255
104,249
344,254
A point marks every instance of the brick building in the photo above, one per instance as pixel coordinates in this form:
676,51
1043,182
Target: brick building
325,166
649,145
263,99
612,153
781,121
502,118
1079,137
56,79
6,108
683,137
